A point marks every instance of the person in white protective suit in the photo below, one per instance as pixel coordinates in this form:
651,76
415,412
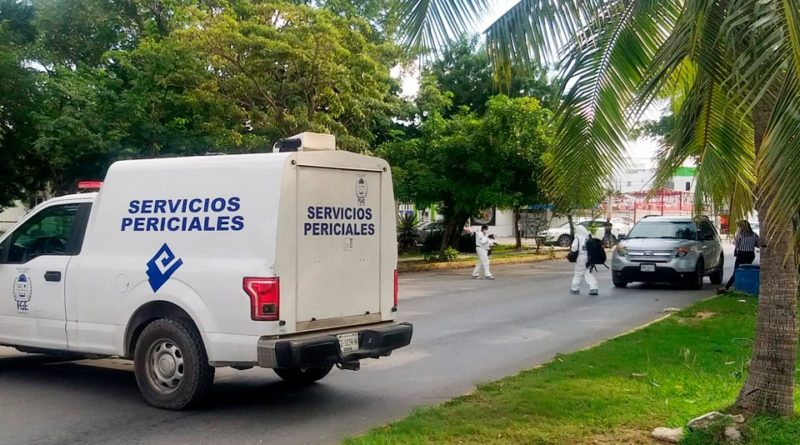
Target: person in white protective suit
582,271
483,243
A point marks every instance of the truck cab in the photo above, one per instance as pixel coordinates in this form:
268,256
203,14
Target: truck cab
282,260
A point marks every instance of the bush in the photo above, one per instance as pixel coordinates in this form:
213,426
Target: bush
407,232
432,243
449,254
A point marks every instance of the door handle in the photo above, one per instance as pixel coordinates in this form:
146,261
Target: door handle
52,276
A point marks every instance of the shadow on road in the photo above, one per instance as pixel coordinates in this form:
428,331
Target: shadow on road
233,391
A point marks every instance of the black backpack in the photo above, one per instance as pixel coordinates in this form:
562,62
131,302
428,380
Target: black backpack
595,252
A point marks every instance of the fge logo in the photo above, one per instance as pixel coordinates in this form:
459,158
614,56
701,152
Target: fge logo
361,191
161,267
22,292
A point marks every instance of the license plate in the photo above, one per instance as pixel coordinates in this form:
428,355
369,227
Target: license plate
348,342
647,267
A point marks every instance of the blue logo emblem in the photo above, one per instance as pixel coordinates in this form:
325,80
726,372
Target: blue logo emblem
22,292
161,267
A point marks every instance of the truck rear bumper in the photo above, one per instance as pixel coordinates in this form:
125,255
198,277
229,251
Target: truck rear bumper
321,348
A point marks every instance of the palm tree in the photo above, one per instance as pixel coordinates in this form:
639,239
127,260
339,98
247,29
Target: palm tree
730,71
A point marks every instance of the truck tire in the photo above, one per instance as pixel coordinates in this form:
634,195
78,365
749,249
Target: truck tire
298,376
171,365
717,276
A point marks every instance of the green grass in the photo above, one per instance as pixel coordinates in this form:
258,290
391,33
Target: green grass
616,393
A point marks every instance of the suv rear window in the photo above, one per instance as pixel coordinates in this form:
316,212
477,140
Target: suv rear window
664,229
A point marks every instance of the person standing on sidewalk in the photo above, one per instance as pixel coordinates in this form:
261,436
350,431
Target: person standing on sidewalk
483,243
582,270
744,249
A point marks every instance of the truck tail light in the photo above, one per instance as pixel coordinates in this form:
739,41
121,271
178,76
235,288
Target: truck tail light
396,287
265,298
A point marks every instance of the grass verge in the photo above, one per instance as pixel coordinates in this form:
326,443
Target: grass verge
615,393
500,255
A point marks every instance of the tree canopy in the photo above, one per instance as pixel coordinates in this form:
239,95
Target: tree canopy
86,82
468,162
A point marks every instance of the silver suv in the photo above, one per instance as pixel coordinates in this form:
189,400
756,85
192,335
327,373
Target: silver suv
669,249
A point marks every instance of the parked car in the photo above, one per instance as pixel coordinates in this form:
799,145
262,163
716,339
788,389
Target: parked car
425,229
560,235
669,249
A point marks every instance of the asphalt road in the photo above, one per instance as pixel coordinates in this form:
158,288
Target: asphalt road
466,332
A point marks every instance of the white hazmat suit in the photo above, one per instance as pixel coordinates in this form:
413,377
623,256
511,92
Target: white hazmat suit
582,271
482,245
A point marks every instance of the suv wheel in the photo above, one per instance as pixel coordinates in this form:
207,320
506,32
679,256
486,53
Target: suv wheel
171,365
717,276
696,279
564,241
618,282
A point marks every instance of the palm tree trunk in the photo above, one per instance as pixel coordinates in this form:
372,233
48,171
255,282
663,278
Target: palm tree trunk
769,388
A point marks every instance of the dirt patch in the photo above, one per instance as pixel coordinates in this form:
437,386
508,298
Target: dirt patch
704,315
627,436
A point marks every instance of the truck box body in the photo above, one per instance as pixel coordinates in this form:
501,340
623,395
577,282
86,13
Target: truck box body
219,214
273,258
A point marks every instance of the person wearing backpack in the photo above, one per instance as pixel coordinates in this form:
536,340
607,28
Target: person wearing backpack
583,267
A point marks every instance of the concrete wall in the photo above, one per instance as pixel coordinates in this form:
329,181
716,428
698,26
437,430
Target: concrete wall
504,224
10,215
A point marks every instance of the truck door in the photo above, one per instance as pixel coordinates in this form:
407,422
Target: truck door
338,247
33,266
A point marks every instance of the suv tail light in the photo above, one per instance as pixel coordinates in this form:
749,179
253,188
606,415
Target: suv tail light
396,287
265,298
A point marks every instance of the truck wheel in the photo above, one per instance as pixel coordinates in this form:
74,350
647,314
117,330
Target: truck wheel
564,241
171,365
717,276
696,278
307,376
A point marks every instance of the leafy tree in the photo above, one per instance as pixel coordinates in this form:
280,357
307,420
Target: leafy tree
464,69
18,98
732,72
466,163
87,82
292,68
519,131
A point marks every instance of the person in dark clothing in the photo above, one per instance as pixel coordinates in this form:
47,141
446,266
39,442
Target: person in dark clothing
744,249
608,239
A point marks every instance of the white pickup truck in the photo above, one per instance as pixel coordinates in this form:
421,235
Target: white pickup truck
282,260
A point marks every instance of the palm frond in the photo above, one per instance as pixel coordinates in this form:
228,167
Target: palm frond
604,67
428,25
758,38
791,12
780,162
711,132
695,38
